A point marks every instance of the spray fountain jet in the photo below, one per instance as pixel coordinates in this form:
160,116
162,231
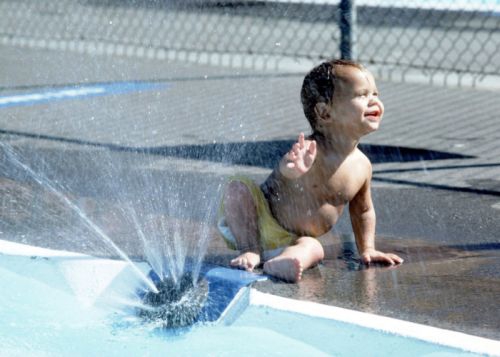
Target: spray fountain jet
45,182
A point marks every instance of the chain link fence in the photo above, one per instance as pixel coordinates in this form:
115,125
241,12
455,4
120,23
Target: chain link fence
440,38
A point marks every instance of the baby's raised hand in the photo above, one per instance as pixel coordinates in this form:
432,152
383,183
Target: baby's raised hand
299,159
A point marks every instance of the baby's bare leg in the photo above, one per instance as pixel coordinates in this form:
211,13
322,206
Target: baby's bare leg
241,217
290,264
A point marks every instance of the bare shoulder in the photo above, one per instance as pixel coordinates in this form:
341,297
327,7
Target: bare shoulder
356,173
361,164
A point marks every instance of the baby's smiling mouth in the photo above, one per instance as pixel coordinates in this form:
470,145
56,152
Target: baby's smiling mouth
373,114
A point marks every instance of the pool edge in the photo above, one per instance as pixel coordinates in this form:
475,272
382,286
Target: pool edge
435,335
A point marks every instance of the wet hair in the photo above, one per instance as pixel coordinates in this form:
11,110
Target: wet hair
319,86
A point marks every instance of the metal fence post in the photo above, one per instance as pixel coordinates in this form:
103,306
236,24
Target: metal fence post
347,24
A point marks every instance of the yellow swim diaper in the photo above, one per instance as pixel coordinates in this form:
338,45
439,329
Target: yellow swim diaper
271,234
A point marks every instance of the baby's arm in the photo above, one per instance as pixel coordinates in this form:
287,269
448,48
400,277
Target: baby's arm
299,159
363,222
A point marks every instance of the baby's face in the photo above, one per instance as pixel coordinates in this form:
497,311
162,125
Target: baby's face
356,103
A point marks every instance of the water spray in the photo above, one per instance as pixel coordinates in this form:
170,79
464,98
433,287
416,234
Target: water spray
45,182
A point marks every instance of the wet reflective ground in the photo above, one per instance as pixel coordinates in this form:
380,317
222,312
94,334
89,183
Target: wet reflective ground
438,286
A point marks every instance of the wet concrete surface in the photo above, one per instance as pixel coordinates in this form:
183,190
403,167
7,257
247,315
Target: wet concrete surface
438,286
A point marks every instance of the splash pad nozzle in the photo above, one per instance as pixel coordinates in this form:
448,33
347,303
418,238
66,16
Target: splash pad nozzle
177,303
189,300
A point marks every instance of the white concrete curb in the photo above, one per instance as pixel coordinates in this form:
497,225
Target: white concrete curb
381,323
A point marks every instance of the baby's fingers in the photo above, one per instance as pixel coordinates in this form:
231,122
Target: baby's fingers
397,259
301,141
296,148
312,148
389,258
381,258
291,155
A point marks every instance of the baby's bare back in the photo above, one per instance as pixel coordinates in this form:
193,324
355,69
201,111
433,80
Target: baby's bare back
312,204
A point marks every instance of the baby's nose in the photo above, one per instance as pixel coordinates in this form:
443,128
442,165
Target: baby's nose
374,99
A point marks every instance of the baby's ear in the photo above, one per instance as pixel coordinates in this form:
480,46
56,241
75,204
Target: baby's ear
322,110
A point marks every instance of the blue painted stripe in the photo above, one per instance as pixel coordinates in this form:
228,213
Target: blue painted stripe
76,92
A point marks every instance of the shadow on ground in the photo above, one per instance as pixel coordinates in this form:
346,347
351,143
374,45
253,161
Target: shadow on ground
268,153
257,153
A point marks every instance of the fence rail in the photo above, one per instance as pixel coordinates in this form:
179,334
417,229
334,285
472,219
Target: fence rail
414,36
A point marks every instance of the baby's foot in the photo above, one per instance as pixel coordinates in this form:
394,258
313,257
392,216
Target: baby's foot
247,261
286,268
